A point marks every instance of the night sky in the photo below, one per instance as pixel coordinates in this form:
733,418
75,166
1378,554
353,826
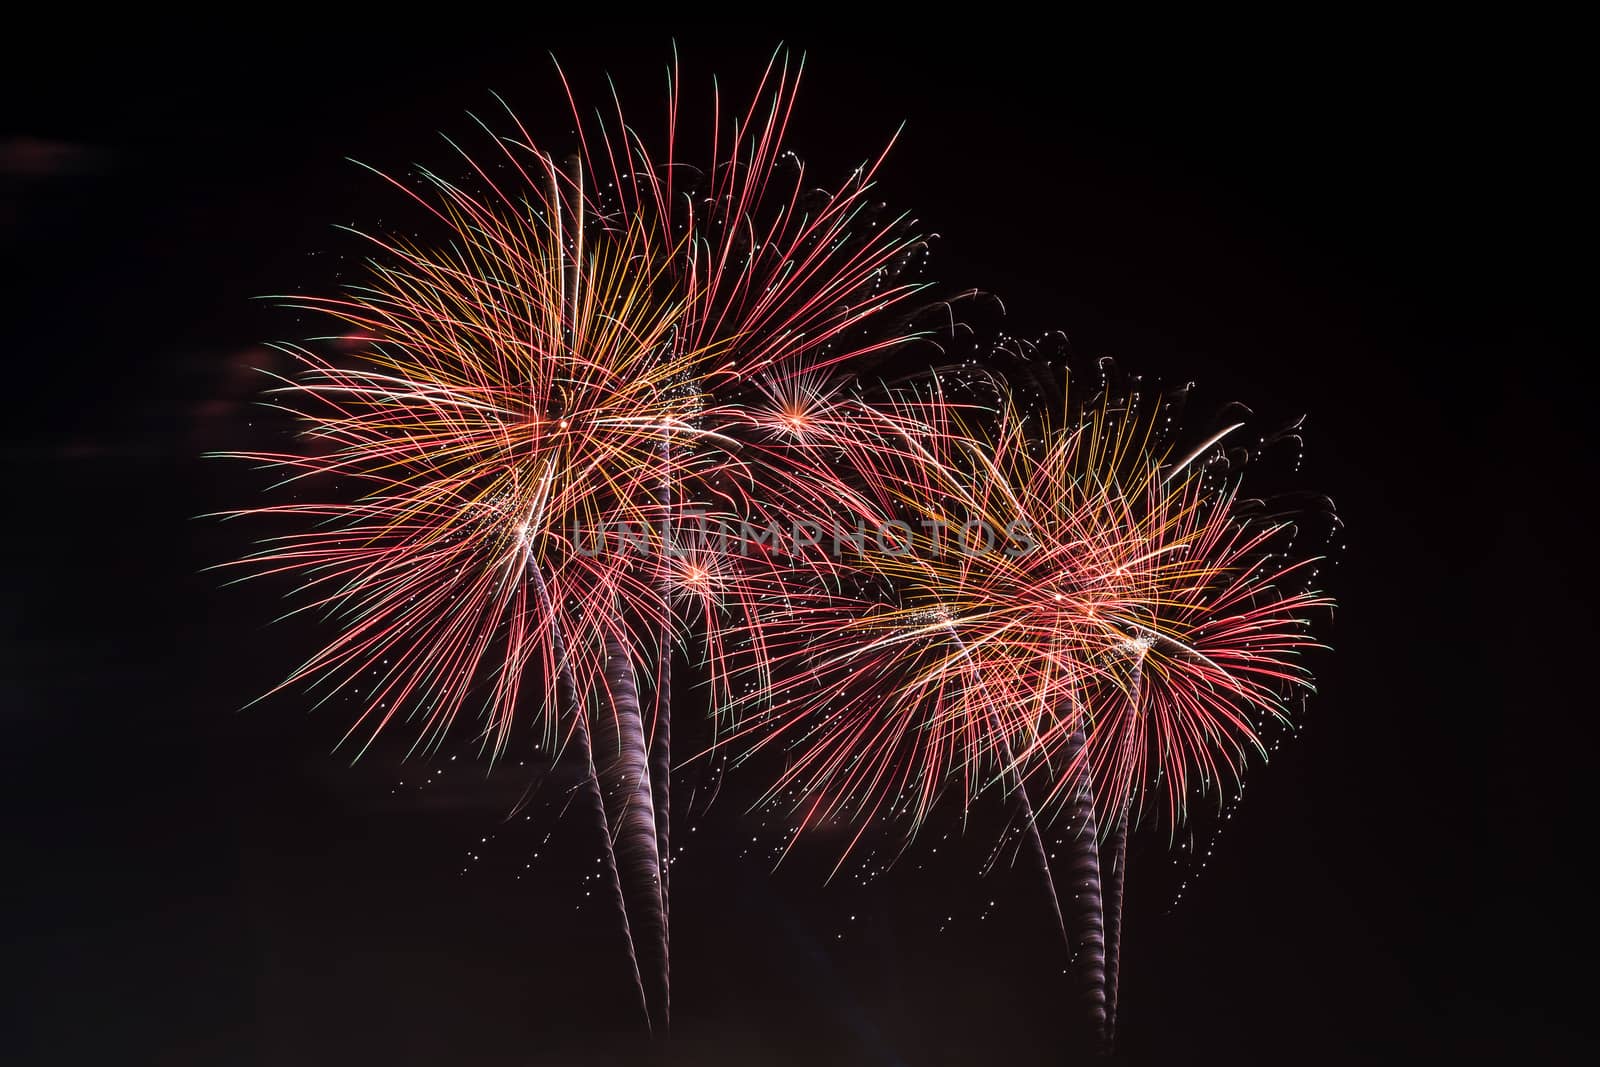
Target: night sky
1380,234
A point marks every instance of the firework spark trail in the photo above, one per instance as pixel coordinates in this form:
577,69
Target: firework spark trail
1018,789
1041,855
661,724
1083,875
1115,872
591,786
625,768
660,781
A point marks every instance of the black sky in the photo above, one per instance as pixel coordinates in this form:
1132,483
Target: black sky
1381,232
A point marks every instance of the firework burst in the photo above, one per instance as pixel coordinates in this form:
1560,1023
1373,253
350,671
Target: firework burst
529,407
1076,610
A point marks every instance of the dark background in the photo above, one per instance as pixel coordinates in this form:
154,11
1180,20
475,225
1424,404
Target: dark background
1378,230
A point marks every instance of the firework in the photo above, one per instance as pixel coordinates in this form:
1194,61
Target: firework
1077,608
536,411
569,362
